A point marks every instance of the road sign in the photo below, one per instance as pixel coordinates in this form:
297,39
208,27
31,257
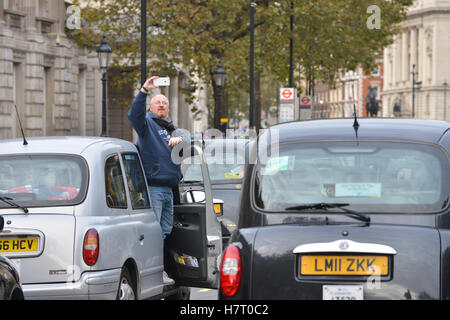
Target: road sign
287,94
305,101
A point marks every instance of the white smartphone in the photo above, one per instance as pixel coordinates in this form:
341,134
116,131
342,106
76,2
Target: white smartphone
162,82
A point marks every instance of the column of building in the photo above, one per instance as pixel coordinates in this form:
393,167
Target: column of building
35,78
414,61
420,59
184,119
3,78
173,100
421,67
34,104
29,7
406,65
405,60
413,46
2,16
7,79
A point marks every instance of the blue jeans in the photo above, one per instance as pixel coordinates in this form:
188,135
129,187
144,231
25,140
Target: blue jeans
162,203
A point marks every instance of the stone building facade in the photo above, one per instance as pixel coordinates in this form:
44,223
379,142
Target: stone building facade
424,43
56,85
53,83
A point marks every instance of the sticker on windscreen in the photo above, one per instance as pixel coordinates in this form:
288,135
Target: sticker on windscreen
356,189
235,173
283,163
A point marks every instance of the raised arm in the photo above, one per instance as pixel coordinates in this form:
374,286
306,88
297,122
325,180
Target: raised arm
137,112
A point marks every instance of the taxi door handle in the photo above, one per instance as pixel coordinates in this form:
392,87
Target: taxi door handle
141,237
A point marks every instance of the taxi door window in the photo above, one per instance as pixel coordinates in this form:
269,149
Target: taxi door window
115,188
136,181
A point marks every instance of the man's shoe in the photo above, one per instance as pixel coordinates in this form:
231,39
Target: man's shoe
167,280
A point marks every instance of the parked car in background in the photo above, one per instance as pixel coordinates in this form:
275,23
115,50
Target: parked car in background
344,210
80,224
10,288
226,159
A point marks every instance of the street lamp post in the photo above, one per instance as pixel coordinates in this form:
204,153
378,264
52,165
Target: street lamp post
415,85
252,65
291,47
219,81
104,56
143,41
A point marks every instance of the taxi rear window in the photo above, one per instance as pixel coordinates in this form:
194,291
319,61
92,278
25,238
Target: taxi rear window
42,180
376,177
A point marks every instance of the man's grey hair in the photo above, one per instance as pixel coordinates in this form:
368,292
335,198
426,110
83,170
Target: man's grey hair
158,95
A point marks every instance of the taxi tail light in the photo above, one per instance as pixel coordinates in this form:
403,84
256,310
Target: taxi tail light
230,271
91,247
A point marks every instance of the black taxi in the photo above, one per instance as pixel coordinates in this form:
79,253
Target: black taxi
344,209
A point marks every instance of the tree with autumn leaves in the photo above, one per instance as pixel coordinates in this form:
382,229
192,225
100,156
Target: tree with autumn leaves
329,37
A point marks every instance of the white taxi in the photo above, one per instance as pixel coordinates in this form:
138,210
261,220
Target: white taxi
79,223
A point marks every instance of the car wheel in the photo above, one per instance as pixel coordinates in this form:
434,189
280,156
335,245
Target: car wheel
126,288
183,293
17,294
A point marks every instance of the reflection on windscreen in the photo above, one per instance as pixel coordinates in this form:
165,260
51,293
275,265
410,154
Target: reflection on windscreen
231,166
372,177
226,168
226,161
42,180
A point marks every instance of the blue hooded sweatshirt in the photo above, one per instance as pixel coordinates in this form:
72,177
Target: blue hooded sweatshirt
153,145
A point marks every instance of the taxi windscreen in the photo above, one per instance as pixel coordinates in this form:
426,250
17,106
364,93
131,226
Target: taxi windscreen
42,180
223,168
376,177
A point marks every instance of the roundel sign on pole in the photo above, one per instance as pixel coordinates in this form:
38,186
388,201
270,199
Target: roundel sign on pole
287,94
305,101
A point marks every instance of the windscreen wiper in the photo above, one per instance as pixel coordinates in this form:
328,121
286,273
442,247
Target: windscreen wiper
323,205
9,201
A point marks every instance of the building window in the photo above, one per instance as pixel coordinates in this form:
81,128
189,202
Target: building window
376,71
46,27
15,21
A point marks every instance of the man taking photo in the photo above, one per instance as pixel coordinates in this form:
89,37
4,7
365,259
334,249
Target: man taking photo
156,138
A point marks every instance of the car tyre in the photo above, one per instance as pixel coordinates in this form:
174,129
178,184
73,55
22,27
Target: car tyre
183,293
126,289
17,294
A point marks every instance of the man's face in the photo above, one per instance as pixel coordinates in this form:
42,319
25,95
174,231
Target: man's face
160,106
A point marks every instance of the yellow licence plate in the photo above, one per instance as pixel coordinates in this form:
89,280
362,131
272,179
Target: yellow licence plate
344,265
18,244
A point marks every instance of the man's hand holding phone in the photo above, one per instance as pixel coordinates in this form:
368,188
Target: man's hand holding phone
155,82
149,84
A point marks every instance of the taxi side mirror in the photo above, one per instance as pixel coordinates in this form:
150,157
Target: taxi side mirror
218,207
